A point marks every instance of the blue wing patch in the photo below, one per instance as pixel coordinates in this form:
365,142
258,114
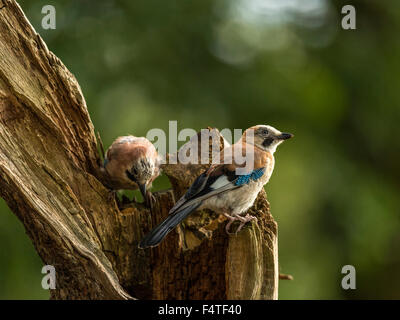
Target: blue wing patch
105,162
257,174
243,179
254,175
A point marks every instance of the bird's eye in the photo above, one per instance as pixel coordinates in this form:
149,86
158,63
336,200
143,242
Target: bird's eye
265,131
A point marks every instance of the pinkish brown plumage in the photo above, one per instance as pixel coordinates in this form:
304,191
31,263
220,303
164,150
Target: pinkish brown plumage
132,163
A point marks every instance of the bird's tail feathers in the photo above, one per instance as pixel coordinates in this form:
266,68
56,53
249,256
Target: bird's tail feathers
156,235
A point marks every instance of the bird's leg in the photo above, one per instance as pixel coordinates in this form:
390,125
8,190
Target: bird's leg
231,220
244,220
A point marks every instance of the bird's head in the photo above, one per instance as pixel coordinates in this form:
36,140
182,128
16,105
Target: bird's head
141,172
265,137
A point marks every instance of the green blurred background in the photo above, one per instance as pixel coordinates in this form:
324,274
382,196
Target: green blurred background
236,63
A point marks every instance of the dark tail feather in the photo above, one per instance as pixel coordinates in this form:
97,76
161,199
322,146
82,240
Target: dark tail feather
155,236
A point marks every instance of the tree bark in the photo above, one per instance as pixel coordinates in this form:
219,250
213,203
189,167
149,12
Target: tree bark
50,177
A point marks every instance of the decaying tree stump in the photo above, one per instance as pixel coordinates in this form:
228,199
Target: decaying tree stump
50,178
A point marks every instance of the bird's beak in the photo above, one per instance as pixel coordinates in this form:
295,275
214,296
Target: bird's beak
142,188
284,136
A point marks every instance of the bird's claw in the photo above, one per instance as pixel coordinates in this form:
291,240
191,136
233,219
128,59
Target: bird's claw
247,218
243,221
231,220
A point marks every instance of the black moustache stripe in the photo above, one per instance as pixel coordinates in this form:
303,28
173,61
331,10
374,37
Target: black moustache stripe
267,142
130,176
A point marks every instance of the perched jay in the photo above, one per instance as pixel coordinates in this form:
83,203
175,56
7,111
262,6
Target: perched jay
224,188
131,163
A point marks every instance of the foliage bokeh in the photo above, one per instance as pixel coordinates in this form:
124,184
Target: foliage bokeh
236,63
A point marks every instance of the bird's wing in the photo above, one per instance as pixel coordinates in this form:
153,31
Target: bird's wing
215,180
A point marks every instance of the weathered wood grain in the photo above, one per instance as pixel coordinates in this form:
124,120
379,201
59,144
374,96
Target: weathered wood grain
50,178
